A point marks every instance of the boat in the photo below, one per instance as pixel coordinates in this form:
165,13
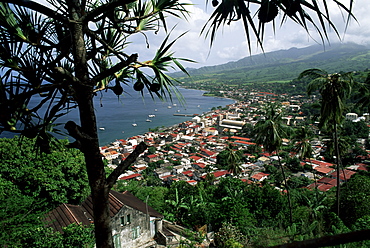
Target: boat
151,115
134,124
155,110
148,120
169,107
102,128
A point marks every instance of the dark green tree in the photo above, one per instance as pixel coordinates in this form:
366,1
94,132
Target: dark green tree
230,159
59,177
334,89
270,131
355,199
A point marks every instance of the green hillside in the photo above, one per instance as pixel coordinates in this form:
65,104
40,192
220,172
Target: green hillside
284,65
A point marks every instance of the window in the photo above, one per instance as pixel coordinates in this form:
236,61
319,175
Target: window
135,232
125,221
116,241
128,219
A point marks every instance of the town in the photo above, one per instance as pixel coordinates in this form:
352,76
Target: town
188,151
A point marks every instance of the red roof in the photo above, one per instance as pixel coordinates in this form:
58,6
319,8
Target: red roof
220,173
344,176
192,182
323,169
195,157
130,176
201,165
322,163
240,138
259,176
244,142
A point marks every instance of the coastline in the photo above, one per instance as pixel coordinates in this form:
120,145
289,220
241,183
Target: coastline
164,118
115,116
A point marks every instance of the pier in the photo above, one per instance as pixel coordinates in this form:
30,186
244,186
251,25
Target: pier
186,115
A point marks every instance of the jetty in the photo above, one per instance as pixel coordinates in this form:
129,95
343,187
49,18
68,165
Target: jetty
185,115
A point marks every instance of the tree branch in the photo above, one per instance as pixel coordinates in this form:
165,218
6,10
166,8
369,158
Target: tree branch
66,74
104,8
115,68
39,8
76,132
112,178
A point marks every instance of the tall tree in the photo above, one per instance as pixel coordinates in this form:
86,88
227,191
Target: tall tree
61,55
334,89
270,131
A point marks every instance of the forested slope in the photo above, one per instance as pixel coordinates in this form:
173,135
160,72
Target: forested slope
285,65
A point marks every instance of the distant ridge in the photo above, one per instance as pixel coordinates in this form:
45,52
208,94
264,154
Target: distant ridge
287,64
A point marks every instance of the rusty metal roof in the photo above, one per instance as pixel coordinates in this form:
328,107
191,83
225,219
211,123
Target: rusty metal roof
66,214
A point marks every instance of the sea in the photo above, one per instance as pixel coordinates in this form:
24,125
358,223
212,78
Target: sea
134,113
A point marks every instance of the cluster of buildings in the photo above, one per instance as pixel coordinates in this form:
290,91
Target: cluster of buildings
188,151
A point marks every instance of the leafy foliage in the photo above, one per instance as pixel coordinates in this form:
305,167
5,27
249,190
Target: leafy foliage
59,177
301,12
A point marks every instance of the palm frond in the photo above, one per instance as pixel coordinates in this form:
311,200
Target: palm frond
304,13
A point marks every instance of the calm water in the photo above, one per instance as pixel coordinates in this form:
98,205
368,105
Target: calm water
116,116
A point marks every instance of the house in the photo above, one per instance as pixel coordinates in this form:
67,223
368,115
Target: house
151,158
259,177
135,176
134,223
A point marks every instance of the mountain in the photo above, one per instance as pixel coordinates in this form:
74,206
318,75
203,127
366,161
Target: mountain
284,65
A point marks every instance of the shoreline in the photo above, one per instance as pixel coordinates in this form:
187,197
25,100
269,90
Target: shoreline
163,128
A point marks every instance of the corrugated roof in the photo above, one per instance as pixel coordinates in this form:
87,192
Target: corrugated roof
66,214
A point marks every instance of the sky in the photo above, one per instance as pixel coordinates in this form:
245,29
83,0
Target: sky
230,43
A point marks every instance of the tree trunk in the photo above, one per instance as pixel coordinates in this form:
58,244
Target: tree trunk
87,134
95,169
287,190
338,161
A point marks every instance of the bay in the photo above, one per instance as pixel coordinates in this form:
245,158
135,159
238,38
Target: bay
115,115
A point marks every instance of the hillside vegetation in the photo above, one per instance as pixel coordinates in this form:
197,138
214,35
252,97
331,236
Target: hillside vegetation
283,65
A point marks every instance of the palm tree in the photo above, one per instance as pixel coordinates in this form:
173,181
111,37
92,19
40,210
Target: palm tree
269,132
302,144
334,89
231,159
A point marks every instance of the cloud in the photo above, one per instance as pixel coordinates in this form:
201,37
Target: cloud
230,43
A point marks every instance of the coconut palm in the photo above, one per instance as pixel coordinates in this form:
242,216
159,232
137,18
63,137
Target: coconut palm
230,159
334,89
302,138
302,144
233,158
269,132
